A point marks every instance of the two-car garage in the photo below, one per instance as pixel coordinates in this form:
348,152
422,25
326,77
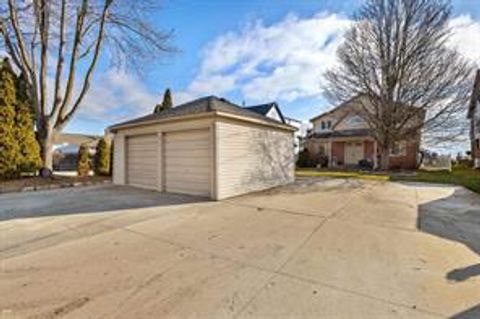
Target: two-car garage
184,158
201,148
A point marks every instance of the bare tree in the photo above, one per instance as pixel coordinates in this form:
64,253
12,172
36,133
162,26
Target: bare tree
56,45
396,55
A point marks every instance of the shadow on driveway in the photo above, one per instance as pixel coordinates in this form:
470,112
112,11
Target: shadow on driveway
456,217
91,199
472,313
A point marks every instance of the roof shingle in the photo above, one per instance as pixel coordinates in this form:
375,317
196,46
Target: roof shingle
202,105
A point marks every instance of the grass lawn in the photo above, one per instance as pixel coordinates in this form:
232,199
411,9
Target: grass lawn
312,172
466,177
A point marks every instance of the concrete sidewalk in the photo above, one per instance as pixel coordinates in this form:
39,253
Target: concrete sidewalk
322,248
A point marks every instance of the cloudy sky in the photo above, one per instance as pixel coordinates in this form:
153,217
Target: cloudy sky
247,51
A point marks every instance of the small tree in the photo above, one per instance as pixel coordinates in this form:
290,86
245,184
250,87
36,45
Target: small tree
167,102
102,158
29,159
83,163
8,145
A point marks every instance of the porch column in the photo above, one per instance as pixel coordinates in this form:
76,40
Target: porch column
329,152
375,164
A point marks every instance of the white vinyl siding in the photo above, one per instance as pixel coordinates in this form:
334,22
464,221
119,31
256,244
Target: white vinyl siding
188,162
251,158
142,161
119,159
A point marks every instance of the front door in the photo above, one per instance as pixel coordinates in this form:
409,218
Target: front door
353,153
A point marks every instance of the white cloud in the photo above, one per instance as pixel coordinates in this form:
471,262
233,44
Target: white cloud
286,60
466,37
117,96
283,61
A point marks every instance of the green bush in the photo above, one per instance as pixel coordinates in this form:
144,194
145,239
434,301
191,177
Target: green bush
83,163
9,151
463,164
19,149
102,158
305,159
29,159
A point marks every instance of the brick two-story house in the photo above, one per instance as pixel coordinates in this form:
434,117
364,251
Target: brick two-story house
474,116
344,138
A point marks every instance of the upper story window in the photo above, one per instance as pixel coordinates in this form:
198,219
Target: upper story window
355,120
326,125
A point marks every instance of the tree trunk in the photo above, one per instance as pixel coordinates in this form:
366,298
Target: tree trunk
384,159
46,144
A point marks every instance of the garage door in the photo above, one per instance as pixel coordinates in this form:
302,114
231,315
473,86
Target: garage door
187,162
142,161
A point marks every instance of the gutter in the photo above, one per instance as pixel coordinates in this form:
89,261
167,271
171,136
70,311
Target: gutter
116,128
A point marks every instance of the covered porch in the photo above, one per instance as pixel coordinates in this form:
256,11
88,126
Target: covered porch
344,151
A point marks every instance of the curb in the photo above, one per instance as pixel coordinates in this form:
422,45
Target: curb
58,186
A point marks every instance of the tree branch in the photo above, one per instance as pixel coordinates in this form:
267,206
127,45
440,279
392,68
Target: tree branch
73,61
88,76
60,62
42,10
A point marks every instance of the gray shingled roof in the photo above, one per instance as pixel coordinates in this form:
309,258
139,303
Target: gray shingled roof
198,106
344,133
261,109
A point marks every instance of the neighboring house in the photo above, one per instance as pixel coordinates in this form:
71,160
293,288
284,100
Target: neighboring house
343,138
66,146
474,116
208,147
300,133
271,110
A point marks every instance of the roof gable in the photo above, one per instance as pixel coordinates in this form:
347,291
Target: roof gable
342,109
208,104
267,110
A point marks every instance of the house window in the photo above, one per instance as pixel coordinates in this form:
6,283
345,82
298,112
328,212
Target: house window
355,120
399,149
326,125
478,143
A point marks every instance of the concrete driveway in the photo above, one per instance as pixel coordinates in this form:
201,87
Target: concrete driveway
316,249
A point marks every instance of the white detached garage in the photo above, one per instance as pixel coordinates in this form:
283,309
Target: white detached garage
207,147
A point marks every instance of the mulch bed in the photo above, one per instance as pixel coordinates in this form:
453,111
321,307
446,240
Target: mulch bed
33,183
